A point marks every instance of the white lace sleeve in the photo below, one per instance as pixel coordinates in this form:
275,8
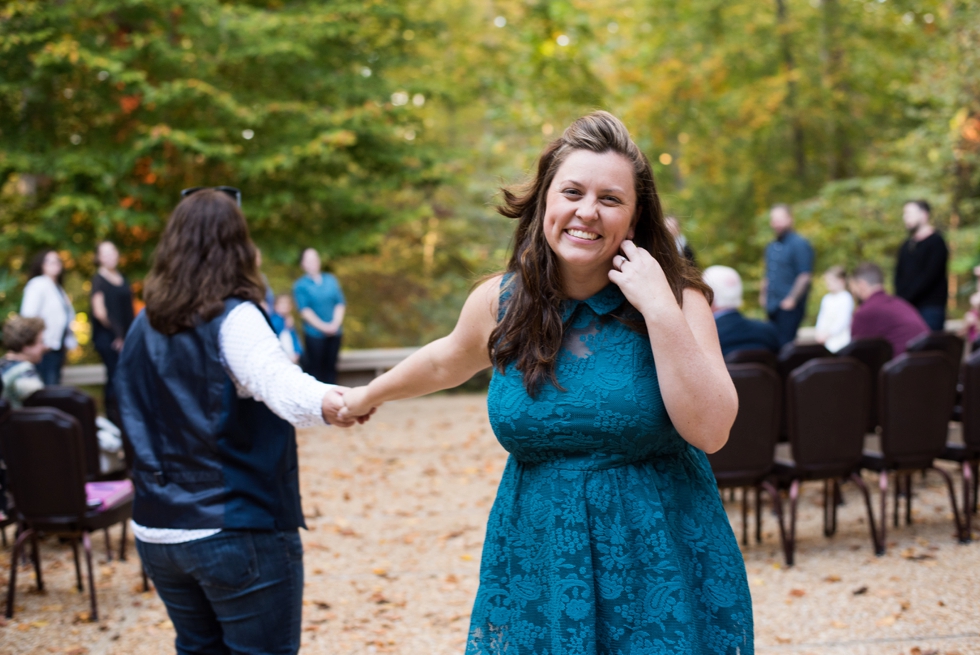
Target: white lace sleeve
261,369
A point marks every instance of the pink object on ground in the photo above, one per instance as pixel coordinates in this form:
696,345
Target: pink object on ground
108,494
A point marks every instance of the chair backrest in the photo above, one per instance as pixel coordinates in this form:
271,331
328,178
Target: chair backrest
80,405
794,355
752,356
971,401
827,403
45,457
873,353
748,455
940,340
4,410
916,396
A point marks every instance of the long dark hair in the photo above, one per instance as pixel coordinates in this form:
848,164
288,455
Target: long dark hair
531,331
37,266
205,255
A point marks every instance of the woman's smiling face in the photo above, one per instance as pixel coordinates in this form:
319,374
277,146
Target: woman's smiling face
589,211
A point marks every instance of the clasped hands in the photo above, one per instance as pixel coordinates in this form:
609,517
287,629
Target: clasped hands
343,406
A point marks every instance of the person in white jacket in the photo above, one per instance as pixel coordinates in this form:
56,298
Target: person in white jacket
45,298
833,328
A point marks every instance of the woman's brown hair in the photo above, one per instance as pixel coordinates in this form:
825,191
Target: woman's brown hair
531,330
205,256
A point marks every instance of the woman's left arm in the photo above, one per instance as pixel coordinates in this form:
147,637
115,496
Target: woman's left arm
697,390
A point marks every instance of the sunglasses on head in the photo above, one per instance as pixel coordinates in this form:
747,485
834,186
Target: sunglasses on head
236,194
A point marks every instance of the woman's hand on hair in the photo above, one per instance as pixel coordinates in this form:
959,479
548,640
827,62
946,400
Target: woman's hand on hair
642,280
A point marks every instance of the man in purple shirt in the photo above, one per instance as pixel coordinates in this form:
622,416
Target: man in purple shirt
881,315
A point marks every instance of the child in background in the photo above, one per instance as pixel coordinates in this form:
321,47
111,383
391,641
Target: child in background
836,309
23,339
283,325
971,320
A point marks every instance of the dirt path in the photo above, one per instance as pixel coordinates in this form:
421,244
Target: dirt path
397,510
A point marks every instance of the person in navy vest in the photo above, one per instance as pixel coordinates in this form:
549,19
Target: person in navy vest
789,269
209,400
735,332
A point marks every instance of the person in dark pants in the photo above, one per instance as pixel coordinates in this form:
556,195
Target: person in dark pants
112,309
45,298
920,273
789,268
321,304
217,509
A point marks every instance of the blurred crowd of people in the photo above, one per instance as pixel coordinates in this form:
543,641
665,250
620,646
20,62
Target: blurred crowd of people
918,305
38,338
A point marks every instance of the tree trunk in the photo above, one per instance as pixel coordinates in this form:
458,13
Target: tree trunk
799,151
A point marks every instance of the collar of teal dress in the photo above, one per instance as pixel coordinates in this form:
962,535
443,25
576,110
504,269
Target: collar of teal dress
601,303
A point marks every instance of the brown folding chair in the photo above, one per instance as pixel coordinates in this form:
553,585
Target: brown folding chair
873,353
794,355
967,454
941,341
746,460
916,395
45,456
752,356
827,403
80,405
6,509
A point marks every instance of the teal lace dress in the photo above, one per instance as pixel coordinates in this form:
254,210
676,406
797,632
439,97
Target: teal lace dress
608,536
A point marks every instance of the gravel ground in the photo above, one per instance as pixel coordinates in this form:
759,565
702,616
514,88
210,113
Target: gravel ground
397,510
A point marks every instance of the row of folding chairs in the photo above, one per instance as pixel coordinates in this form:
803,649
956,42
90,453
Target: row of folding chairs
50,449
827,402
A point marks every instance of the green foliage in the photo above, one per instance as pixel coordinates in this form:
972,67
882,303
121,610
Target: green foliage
381,131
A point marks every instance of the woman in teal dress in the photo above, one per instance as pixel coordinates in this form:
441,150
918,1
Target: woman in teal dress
607,536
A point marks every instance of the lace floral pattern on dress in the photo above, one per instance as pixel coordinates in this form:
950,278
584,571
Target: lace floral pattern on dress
607,536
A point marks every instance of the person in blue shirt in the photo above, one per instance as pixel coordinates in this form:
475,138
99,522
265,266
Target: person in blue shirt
735,332
321,305
789,268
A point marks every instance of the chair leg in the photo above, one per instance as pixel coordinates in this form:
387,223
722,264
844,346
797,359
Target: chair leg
745,516
963,538
794,496
908,499
36,556
879,547
777,506
108,545
78,568
87,544
976,483
883,486
967,502
831,492
22,537
758,515
898,488
122,543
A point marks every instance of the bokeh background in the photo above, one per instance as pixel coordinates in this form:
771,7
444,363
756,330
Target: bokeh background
380,131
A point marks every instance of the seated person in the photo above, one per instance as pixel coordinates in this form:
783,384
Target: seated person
836,309
22,337
882,315
735,332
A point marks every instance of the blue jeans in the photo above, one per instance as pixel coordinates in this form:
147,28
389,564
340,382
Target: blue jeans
50,365
234,592
787,322
934,316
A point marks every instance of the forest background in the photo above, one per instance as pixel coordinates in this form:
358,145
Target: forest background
380,132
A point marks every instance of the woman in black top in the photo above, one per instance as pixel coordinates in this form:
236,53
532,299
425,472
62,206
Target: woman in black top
112,309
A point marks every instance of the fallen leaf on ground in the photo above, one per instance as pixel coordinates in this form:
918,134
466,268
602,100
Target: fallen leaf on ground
832,578
887,621
860,591
797,592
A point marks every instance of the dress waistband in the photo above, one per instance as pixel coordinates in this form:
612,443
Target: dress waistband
598,461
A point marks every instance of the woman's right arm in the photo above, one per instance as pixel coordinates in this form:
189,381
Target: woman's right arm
33,299
443,364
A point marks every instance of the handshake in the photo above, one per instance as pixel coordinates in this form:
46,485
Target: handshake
343,406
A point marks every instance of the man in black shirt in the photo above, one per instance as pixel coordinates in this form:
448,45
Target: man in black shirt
920,274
